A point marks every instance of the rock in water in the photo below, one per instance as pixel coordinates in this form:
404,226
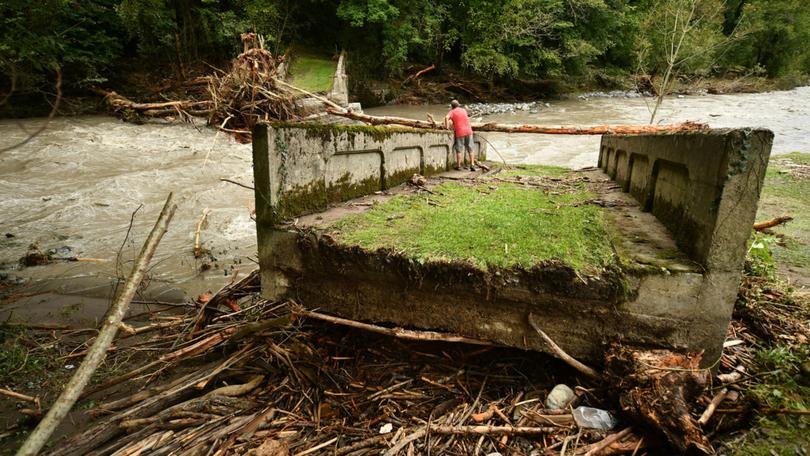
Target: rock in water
593,418
559,397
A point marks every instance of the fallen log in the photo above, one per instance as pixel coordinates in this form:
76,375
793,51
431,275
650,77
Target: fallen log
762,226
37,439
419,73
118,103
527,128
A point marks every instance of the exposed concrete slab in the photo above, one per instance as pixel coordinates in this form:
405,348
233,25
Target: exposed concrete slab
679,225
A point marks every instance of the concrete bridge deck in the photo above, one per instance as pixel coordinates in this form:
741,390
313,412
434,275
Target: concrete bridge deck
656,266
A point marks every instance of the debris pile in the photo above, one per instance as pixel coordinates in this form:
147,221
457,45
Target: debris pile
250,91
240,375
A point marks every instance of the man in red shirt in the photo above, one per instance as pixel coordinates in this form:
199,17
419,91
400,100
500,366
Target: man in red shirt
463,132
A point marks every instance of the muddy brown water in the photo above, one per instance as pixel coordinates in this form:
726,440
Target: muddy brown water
75,187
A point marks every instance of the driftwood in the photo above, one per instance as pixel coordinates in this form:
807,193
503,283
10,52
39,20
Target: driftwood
710,409
419,73
762,226
198,250
528,128
395,332
22,397
656,389
568,359
162,109
37,439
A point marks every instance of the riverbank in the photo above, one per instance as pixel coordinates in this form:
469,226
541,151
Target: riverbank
433,87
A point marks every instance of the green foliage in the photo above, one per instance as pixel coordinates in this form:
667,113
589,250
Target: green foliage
784,384
542,38
776,33
78,37
759,261
16,359
685,34
524,39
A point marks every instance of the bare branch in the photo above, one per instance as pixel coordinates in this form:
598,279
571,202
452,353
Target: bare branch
54,110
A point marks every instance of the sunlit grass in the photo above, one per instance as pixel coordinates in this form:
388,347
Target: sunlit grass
313,74
494,224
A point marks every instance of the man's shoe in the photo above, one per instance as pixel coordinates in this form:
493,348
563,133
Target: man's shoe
473,168
458,168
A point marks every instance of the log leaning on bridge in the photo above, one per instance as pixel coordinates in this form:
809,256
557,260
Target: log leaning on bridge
526,128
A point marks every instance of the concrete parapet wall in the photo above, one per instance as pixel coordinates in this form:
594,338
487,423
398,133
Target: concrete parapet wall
703,186
301,169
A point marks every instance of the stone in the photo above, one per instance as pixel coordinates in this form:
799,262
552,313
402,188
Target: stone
594,418
559,397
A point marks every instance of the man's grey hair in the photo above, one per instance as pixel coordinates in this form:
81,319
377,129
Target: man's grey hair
455,103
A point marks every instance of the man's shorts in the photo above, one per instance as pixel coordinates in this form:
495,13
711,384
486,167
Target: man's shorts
463,142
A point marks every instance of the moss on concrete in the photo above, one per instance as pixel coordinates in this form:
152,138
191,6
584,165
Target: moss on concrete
326,132
301,200
343,189
503,226
399,177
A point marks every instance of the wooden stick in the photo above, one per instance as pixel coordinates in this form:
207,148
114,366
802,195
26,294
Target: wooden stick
22,397
466,430
568,359
607,441
198,251
490,430
37,439
761,226
767,411
707,414
395,332
317,447
236,183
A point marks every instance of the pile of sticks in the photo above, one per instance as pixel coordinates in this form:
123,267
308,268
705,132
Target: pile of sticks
275,379
241,375
233,101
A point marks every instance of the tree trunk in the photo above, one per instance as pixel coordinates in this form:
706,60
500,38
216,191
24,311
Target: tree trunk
527,128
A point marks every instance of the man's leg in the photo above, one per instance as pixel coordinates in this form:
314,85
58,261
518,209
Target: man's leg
457,147
468,146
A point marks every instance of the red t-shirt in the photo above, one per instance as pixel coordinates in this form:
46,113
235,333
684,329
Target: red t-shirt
461,123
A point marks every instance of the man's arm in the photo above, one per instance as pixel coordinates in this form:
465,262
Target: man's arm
447,122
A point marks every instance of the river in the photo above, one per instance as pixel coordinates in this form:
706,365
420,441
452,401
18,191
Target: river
75,187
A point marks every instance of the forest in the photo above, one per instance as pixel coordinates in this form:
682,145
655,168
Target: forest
587,42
